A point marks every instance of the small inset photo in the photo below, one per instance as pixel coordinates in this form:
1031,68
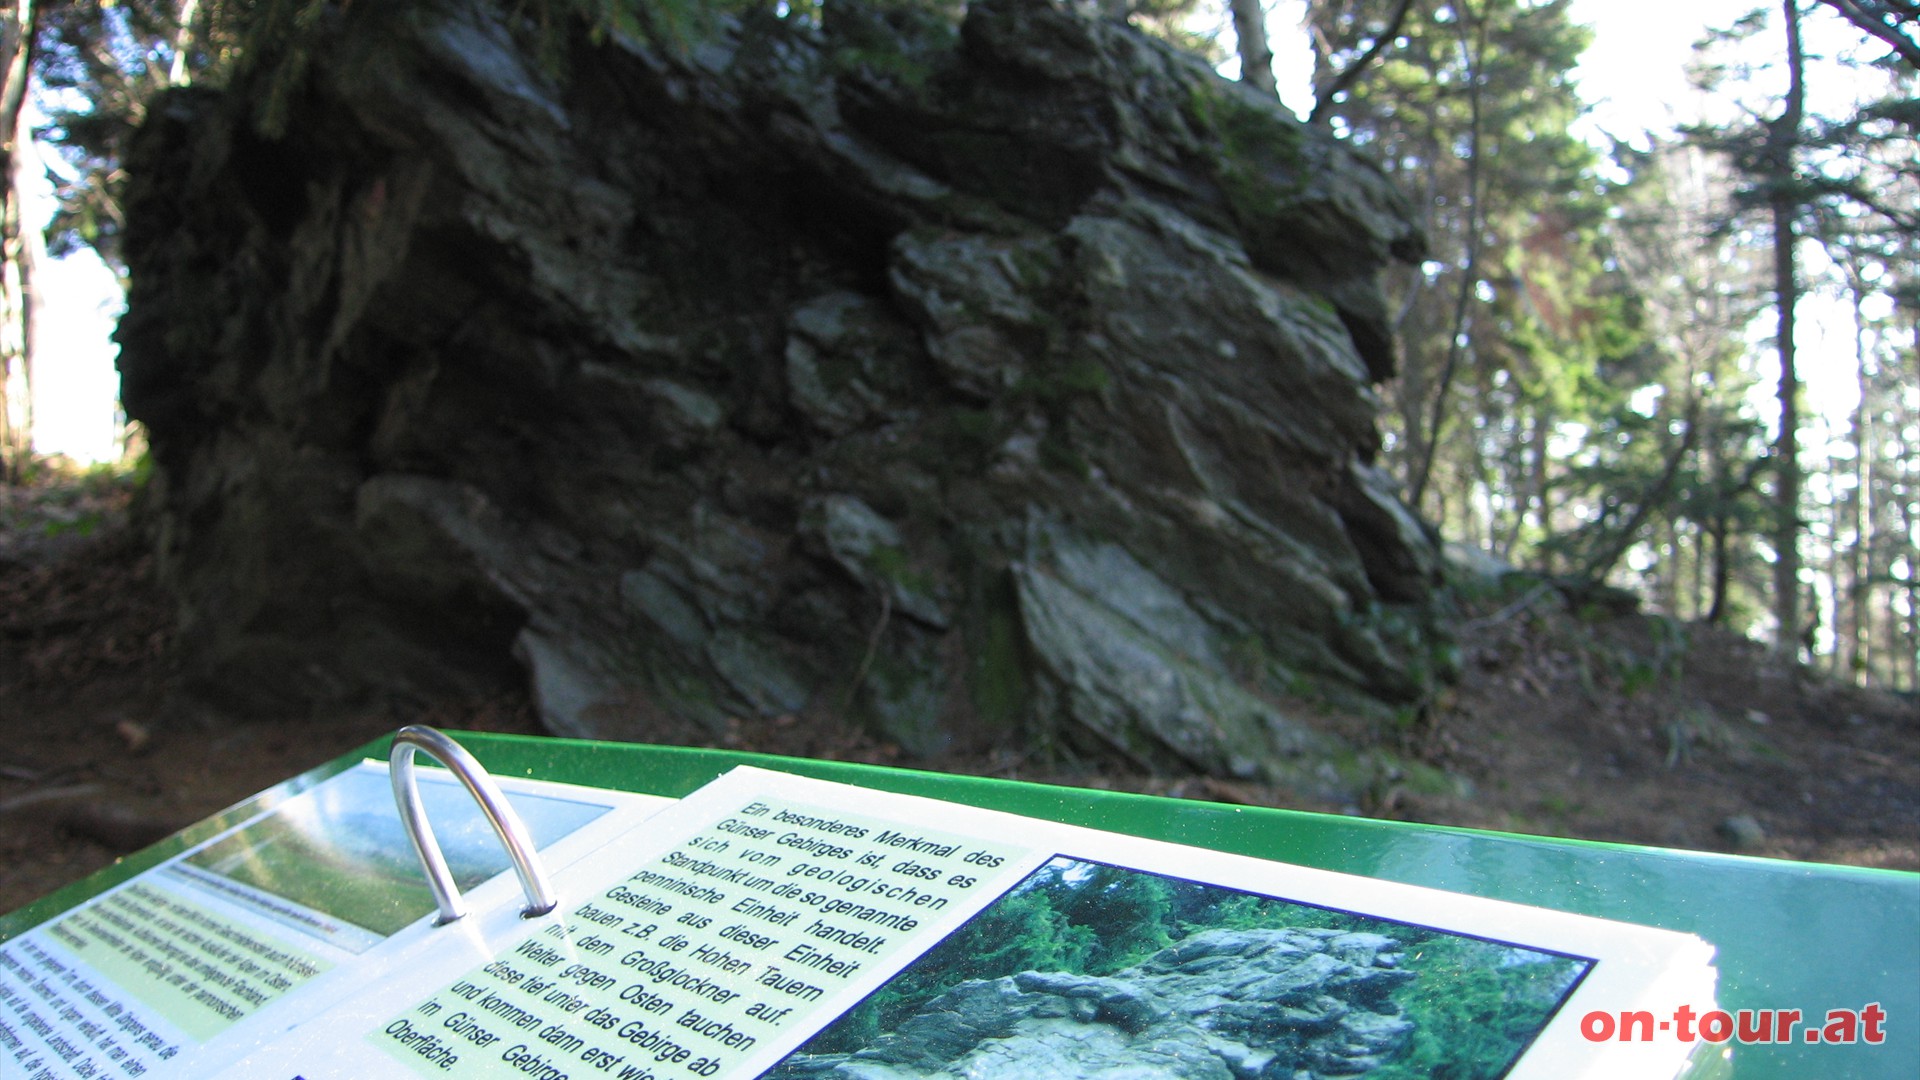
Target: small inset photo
338,854
1084,969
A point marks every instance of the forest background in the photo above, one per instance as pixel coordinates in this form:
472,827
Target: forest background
1681,362
1680,359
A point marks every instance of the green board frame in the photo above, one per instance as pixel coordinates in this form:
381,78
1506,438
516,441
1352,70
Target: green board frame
1789,935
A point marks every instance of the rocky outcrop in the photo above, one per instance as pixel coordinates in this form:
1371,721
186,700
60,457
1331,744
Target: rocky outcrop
1220,1005
993,379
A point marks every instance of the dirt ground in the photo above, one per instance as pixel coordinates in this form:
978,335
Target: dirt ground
1623,728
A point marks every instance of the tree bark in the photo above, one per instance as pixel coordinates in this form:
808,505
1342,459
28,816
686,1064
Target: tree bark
16,399
1859,565
1859,626
1783,137
1722,574
1256,55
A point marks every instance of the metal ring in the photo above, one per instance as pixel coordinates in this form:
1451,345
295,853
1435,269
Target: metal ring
506,824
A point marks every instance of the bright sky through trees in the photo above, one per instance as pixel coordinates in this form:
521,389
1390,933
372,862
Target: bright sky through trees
1634,74
1635,77
76,390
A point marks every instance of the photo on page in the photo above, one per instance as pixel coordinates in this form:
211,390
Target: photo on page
341,855
1085,968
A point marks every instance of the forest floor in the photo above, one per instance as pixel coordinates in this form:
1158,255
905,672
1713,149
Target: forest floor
1618,727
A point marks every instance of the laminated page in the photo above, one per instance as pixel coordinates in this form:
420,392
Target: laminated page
240,939
781,927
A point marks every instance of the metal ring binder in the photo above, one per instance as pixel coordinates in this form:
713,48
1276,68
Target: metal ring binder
506,824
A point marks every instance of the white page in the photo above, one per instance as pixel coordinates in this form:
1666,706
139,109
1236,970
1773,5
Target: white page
730,929
237,940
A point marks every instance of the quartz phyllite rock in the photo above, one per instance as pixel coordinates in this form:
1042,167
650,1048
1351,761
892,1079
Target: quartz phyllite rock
1219,1004
994,380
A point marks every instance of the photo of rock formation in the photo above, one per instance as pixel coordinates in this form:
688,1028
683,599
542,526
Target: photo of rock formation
1088,970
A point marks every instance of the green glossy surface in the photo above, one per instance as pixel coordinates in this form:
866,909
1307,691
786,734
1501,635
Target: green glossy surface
1789,935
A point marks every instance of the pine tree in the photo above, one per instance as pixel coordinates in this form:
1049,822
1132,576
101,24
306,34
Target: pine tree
1510,325
1694,282
1850,182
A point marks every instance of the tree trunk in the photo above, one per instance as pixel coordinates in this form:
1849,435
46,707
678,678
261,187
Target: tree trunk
1542,479
1859,560
1783,139
181,72
1256,55
1717,609
1474,50
1697,570
1859,588
16,399
1907,514
1905,628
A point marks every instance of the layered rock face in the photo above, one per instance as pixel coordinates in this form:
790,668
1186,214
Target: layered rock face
1008,378
1220,1005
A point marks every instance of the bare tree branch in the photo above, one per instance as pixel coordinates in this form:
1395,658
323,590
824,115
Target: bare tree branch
1892,21
1598,567
1474,50
1351,73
